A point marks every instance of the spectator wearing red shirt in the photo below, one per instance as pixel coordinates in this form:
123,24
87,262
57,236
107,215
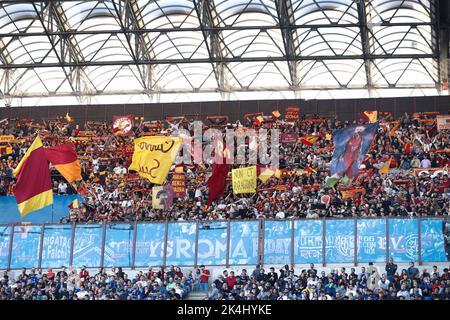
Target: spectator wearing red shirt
231,280
204,278
50,274
84,273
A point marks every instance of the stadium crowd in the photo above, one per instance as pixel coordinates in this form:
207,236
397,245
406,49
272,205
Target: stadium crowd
111,193
369,283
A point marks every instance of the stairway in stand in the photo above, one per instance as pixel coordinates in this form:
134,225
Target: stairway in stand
197,295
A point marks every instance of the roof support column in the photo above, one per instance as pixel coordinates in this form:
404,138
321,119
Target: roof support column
364,32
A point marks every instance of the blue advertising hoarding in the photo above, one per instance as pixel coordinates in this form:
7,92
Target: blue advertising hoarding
181,244
403,239
25,249
277,242
87,247
371,240
340,241
214,239
56,246
212,243
5,236
308,241
244,242
149,244
118,245
432,240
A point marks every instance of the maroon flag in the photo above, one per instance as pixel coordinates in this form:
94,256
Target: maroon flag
216,183
123,125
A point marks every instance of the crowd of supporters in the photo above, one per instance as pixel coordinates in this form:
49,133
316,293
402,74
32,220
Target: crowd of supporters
36,284
367,283
112,193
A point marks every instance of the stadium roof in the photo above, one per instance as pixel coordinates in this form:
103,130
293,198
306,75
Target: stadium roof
84,50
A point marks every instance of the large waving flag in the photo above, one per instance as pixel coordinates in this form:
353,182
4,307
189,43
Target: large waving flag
350,147
220,168
64,159
153,156
33,189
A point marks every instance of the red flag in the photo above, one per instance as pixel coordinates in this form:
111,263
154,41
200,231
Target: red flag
216,183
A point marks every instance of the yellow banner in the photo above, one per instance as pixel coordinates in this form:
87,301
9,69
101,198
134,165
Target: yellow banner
153,156
6,138
244,180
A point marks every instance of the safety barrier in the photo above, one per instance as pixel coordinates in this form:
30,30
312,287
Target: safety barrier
224,243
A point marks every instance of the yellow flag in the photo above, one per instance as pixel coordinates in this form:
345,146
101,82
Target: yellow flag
244,180
278,174
153,156
385,168
266,174
372,116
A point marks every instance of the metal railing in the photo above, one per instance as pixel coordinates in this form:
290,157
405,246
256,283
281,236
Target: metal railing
225,242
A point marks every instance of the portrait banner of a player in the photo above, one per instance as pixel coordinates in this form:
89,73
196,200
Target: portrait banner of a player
350,147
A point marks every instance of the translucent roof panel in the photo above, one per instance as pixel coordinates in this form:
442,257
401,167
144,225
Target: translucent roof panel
250,75
398,11
404,72
332,73
314,12
329,41
140,47
87,15
168,14
184,77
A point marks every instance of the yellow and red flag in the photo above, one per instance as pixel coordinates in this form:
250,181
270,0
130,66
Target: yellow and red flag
64,159
276,114
33,189
74,205
68,117
5,150
258,120
266,172
309,140
369,116
351,193
385,168
310,170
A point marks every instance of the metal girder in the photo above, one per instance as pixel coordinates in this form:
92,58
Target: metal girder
47,9
131,27
187,91
123,13
66,34
286,20
210,40
442,30
74,51
364,33
215,60
144,47
205,28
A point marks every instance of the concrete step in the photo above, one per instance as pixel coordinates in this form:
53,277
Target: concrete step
197,295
